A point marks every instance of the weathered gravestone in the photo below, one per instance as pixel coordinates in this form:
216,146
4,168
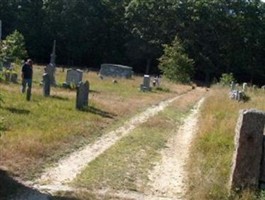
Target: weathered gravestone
51,67
82,95
74,76
53,55
13,77
115,70
7,64
46,84
146,84
246,170
244,87
50,70
28,95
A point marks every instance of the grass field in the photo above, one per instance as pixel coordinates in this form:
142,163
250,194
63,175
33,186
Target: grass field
37,133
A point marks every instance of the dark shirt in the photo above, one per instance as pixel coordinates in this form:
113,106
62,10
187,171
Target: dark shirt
27,71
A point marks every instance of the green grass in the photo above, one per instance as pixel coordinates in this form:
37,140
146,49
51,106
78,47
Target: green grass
35,134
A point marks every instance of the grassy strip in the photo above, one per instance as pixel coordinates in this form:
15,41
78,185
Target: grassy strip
211,157
125,166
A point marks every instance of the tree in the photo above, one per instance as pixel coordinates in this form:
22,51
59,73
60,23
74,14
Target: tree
13,47
175,64
152,23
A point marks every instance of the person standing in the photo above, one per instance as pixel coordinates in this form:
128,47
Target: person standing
26,75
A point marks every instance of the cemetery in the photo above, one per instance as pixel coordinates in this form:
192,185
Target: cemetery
139,100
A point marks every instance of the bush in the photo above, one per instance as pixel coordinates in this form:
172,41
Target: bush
13,47
226,79
175,64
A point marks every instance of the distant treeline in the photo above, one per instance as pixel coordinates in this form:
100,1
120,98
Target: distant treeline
221,36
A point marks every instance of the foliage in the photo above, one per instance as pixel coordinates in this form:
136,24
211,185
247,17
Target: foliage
175,64
220,36
13,47
227,79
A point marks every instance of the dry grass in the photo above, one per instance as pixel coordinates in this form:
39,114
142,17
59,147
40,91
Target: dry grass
210,163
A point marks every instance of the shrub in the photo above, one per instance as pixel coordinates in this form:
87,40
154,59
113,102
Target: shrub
175,64
226,79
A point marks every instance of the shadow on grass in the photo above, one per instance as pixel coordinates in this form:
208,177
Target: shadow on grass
97,111
11,189
94,91
18,111
59,98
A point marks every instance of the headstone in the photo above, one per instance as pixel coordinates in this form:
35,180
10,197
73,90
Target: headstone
28,95
249,148
53,55
7,64
46,84
50,70
232,86
115,70
146,83
74,76
13,78
82,95
244,86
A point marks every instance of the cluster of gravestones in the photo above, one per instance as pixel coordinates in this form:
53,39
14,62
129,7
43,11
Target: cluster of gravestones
72,77
8,73
236,93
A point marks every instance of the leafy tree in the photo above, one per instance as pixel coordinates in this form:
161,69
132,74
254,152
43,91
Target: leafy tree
152,23
13,47
227,79
175,64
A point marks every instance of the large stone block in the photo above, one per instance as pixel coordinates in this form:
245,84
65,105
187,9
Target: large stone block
246,170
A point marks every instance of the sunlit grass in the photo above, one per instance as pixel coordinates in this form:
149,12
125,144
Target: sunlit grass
37,133
211,160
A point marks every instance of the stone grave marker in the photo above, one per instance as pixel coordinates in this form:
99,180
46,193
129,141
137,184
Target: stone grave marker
46,84
246,169
115,70
53,55
244,87
28,95
82,95
50,70
13,77
146,84
74,76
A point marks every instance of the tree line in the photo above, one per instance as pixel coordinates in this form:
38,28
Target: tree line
216,37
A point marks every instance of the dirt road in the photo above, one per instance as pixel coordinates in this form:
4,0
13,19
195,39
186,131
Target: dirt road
167,178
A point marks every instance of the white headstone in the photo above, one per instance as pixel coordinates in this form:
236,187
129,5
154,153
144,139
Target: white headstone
74,76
